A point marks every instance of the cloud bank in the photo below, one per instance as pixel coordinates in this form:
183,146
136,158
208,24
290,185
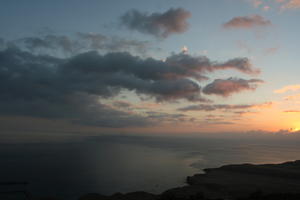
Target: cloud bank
72,88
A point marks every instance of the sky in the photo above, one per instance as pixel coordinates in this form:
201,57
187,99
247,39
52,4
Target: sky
147,67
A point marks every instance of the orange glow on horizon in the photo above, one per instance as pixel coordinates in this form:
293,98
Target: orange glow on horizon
294,130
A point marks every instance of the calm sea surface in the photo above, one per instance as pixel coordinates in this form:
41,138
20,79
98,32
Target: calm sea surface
110,164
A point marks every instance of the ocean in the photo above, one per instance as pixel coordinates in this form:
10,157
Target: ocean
110,164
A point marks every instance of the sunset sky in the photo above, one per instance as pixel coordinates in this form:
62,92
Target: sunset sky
160,66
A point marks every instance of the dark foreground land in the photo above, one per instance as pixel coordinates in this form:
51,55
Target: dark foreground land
236,182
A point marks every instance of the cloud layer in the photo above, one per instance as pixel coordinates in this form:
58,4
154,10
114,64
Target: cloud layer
73,78
160,25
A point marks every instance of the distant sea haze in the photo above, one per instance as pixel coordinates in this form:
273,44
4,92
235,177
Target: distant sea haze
109,164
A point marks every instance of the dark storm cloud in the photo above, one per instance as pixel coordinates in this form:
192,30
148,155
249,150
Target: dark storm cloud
160,25
213,107
226,87
247,22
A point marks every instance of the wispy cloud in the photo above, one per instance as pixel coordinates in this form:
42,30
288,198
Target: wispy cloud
292,97
226,107
202,64
79,43
278,4
247,22
257,3
271,51
290,4
287,89
243,45
292,111
213,107
226,87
